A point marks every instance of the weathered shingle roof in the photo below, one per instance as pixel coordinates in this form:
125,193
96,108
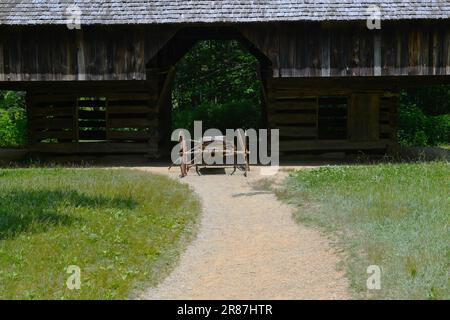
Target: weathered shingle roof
31,12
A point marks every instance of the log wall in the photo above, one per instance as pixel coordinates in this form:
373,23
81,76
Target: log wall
90,54
98,121
326,119
349,50
104,53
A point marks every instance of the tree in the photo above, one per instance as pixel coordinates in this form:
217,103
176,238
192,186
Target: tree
217,82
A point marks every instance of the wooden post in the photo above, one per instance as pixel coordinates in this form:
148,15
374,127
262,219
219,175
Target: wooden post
164,109
76,129
325,43
377,54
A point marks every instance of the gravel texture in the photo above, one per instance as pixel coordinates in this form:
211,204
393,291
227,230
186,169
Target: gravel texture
249,247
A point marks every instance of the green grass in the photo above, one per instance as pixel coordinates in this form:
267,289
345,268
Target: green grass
123,228
395,216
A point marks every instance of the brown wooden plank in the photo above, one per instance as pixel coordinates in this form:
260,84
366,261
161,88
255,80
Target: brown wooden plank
292,118
331,145
129,135
131,123
52,124
2,62
94,148
308,105
364,117
113,97
113,109
54,112
54,98
64,135
297,131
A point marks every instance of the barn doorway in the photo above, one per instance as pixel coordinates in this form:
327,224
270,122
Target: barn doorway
214,75
217,82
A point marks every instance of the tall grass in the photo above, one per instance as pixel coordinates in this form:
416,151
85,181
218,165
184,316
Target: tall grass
121,227
395,216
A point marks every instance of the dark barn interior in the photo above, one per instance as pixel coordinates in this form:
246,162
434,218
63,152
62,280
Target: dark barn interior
331,84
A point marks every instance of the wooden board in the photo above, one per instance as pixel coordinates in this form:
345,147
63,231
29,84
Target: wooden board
93,124
94,148
331,145
364,117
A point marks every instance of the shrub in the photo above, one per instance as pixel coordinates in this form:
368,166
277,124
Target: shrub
418,129
13,123
13,126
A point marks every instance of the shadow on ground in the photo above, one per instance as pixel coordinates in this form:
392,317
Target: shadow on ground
39,210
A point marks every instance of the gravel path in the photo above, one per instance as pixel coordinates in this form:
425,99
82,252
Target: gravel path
249,247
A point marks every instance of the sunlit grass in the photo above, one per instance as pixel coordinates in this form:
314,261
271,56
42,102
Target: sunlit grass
123,229
392,215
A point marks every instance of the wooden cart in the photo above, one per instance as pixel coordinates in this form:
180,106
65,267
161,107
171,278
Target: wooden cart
202,154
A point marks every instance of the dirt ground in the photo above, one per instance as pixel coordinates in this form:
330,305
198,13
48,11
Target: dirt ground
249,247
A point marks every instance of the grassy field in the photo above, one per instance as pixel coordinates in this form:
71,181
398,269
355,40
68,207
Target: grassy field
122,228
395,216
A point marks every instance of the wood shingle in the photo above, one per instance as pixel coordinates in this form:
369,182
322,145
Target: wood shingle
108,12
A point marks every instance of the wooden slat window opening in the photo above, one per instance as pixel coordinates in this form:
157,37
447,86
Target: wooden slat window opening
296,117
332,118
51,120
91,119
130,120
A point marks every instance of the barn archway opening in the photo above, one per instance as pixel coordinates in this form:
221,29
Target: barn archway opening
217,82
215,76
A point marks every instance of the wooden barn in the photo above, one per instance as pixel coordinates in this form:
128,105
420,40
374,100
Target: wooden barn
98,73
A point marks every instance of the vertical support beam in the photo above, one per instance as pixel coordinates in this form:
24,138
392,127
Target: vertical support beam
377,54
326,43
76,129
2,63
164,107
263,77
393,120
80,56
107,122
270,103
446,53
317,118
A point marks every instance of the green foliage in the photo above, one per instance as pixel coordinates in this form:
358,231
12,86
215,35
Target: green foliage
391,215
12,100
13,123
417,128
242,114
214,80
121,227
433,101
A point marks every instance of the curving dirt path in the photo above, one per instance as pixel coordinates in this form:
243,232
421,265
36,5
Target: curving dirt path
249,247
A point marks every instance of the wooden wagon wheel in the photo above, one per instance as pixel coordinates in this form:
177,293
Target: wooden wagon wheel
246,160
